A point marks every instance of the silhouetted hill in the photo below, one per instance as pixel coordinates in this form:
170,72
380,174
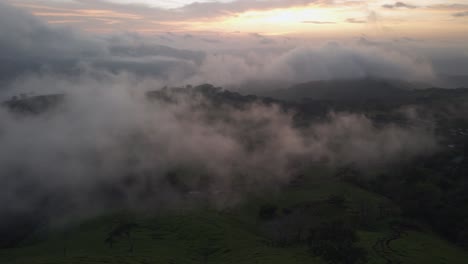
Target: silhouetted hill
34,104
311,99
345,90
455,81
215,95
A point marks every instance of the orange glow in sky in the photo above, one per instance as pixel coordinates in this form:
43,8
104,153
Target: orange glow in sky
337,18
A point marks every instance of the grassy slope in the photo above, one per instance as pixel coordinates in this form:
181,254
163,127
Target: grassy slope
230,237
189,238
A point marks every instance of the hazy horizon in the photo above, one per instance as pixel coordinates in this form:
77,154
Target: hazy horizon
230,43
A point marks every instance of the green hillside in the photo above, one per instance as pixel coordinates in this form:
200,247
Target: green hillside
243,234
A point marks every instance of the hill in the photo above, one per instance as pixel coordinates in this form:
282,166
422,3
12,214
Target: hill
413,211
346,90
241,234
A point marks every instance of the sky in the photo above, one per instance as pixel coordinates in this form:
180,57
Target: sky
306,18
232,43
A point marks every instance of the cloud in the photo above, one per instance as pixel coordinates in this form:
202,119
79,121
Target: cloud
399,5
338,62
210,9
104,13
356,21
318,22
448,7
372,17
222,59
22,34
461,14
262,39
106,146
29,44
302,64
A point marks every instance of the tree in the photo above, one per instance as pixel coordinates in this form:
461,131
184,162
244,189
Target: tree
268,212
335,243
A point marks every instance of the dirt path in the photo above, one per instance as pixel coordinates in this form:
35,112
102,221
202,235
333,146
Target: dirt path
383,249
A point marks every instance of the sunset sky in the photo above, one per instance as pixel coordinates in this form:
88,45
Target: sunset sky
329,18
231,42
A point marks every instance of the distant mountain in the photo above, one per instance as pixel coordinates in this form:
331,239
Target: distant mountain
345,90
455,81
311,99
216,95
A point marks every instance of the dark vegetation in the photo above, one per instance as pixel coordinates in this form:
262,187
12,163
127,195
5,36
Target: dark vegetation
34,104
336,243
336,215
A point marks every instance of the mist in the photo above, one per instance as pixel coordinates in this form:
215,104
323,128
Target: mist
107,146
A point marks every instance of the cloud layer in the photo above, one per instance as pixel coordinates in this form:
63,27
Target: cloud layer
29,46
108,146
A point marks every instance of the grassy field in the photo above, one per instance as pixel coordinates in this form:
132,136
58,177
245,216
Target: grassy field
238,235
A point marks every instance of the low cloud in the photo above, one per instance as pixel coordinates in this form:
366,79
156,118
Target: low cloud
330,62
108,146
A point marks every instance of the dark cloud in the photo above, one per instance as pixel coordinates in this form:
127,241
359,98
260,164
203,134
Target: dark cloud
461,14
448,6
399,5
263,39
28,45
256,35
23,35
